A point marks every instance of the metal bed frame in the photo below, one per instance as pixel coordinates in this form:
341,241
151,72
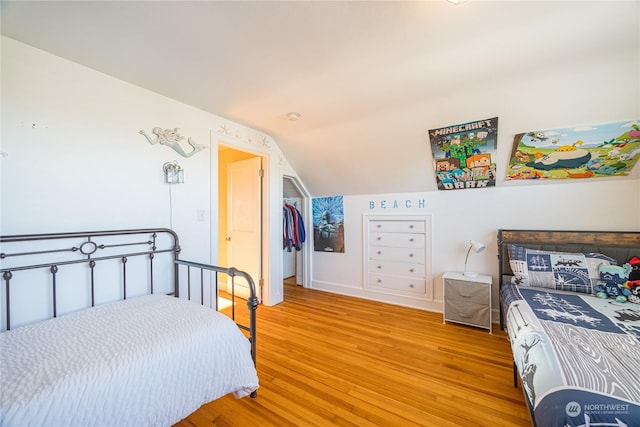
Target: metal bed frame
620,245
91,248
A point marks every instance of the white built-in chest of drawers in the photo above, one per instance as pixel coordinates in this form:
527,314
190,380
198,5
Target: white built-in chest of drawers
397,255
467,299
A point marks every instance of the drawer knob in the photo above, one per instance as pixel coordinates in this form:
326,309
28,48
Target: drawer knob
379,226
379,267
379,281
410,255
411,239
411,271
411,226
411,285
379,252
379,238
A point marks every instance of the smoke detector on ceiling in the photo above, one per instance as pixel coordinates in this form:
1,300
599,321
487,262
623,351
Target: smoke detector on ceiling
293,116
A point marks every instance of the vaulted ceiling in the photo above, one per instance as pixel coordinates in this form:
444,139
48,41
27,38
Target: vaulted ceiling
369,78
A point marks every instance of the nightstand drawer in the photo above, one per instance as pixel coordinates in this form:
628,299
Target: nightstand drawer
458,290
468,312
405,284
396,268
467,299
402,240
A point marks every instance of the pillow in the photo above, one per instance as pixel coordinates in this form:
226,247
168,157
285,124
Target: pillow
577,272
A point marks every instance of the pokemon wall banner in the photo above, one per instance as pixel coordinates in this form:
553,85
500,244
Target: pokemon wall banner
464,154
582,152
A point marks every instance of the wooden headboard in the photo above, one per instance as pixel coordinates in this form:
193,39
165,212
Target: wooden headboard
620,245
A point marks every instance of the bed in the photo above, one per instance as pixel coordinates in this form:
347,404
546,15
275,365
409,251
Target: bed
576,356
113,328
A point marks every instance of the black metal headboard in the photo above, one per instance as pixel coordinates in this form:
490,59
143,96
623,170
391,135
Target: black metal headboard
57,253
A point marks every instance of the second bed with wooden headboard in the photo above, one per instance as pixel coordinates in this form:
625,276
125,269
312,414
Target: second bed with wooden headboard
577,356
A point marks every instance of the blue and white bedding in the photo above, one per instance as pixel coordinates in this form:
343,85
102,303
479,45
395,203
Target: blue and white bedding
578,356
145,361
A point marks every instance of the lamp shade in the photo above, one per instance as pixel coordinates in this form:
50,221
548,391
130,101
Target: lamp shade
477,246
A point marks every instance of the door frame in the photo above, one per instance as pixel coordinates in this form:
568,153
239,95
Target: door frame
274,166
305,210
217,236
270,285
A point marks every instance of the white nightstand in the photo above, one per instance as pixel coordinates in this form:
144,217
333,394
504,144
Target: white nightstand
467,300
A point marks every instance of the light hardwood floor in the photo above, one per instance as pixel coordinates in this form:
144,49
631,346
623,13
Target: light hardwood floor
326,359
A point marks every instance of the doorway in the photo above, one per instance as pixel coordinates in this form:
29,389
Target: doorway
295,262
240,215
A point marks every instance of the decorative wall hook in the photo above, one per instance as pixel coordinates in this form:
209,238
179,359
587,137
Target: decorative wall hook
171,138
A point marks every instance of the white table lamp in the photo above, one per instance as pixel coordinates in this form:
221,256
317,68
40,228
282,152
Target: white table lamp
477,248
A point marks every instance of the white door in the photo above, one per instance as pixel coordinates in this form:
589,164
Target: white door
243,221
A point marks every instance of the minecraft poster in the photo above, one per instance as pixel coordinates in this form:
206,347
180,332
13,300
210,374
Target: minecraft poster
328,224
582,152
464,154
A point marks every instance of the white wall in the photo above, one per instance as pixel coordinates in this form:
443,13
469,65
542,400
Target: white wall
593,90
461,215
590,89
72,158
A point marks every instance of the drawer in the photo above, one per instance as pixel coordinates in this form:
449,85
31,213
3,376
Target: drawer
413,255
403,240
391,226
458,290
405,284
467,312
396,268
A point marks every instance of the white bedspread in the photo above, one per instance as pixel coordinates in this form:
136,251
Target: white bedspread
146,361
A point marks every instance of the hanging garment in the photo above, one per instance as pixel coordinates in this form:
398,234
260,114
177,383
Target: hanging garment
294,233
